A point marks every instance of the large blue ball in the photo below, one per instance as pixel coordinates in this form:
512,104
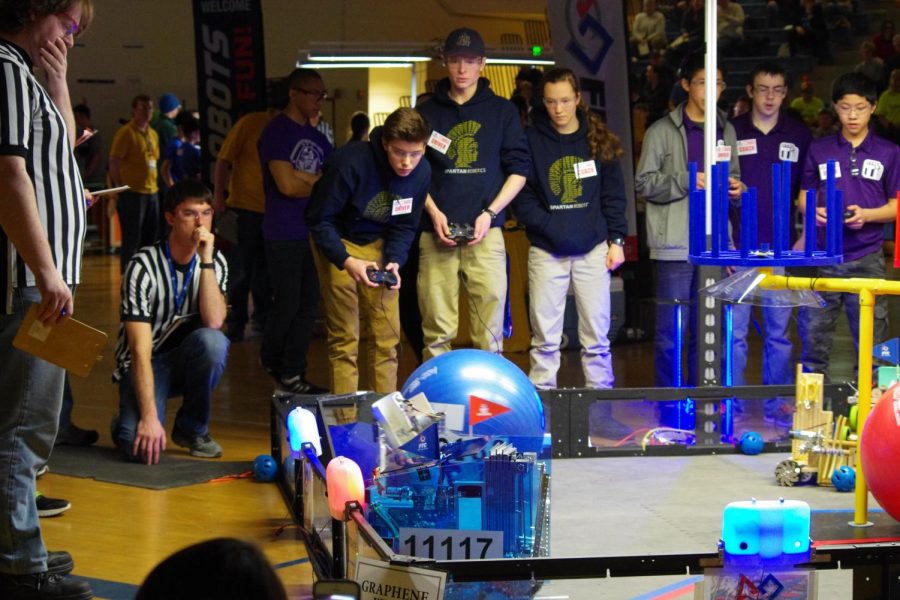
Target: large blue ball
455,380
751,443
844,479
265,468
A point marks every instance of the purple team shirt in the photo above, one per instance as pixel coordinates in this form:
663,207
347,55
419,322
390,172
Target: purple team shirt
757,151
694,133
868,177
306,149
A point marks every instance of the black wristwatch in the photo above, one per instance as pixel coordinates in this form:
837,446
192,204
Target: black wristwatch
209,265
617,241
490,212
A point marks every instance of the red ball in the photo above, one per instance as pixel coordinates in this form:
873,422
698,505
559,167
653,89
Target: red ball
880,451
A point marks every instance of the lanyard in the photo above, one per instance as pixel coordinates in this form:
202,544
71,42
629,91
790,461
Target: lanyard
182,293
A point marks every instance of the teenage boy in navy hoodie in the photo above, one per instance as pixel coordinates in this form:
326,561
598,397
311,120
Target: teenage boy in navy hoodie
363,216
479,161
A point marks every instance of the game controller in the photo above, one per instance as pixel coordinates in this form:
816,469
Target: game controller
385,278
462,234
849,214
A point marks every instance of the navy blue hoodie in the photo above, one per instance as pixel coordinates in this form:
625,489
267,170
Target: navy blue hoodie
487,146
357,198
562,214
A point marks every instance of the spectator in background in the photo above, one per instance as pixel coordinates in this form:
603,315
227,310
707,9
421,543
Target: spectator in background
359,127
884,40
692,23
182,157
782,12
323,126
654,94
648,32
133,160
894,61
88,153
166,129
888,110
826,123
528,86
741,106
730,26
808,104
809,34
871,66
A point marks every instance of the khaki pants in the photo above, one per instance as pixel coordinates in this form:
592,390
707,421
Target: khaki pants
348,305
482,269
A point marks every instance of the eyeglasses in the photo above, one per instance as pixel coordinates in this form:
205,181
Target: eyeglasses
564,102
860,109
401,155
189,213
702,82
315,93
73,27
764,90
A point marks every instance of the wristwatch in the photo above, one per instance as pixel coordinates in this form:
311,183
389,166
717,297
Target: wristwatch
209,265
490,212
617,241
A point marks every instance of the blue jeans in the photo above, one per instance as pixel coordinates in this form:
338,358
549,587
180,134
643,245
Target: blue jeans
676,285
777,363
29,413
192,371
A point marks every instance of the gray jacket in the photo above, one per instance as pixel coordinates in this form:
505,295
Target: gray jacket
662,179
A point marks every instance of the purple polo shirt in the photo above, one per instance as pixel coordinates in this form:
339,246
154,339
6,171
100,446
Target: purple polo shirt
693,131
306,149
757,151
877,178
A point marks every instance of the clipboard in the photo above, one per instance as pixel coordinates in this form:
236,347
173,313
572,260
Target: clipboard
69,344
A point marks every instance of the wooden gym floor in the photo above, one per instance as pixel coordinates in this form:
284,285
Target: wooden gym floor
117,534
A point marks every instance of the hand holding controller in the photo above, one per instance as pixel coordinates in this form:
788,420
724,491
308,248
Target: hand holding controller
385,278
461,233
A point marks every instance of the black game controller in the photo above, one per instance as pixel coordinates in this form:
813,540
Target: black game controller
462,234
385,278
849,214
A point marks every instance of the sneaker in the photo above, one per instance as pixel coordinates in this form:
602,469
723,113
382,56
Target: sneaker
270,371
59,563
297,385
44,586
42,471
201,446
50,507
72,435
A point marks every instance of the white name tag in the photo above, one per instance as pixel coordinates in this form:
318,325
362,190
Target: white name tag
151,164
723,152
823,171
402,206
789,152
439,142
746,147
585,169
872,169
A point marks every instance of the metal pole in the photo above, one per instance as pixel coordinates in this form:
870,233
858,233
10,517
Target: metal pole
711,94
866,333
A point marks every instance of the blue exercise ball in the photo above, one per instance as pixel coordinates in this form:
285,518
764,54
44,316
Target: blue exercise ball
751,443
844,479
265,468
482,394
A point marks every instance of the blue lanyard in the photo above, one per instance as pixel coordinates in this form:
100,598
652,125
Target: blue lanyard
181,294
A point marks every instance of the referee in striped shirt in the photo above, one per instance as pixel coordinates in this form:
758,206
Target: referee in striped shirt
173,305
42,216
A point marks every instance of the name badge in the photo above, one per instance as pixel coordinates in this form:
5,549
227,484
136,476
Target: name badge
723,152
151,164
585,169
746,147
788,151
439,142
402,206
872,169
823,171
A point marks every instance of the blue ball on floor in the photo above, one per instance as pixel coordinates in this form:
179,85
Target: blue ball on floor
265,468
844,479
751,443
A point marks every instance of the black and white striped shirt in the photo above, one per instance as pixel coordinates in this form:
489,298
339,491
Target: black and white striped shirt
32,127
149,297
